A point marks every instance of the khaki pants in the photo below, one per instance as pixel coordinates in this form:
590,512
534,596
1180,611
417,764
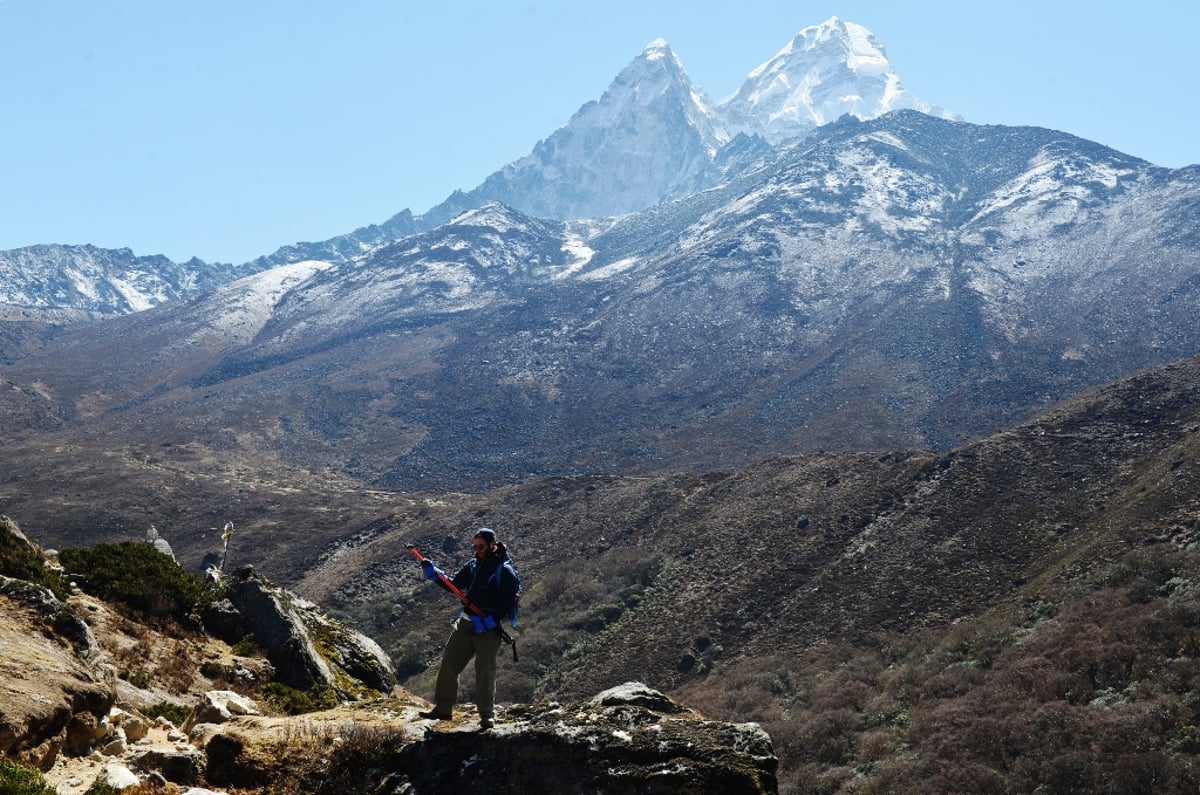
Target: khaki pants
460,648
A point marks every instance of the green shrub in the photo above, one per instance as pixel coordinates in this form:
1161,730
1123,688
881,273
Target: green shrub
297,702
213,670
138,575
22,563
176,713
246,647
16,779
139,679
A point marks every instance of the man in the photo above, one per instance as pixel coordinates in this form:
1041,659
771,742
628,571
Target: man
490,583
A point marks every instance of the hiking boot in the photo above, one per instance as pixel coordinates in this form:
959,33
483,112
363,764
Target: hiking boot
435,714
486,723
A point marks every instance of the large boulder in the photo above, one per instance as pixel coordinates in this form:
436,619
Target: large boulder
219,706
306,647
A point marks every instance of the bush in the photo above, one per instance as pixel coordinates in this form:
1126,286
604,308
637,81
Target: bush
138,575
22,563
298,702
17,779
176,713
246,647
355,763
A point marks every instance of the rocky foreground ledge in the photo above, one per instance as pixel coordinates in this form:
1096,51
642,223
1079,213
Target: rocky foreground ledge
65,711
628,739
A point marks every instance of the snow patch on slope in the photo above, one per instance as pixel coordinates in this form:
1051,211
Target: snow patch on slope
579,252
1048,179
250,302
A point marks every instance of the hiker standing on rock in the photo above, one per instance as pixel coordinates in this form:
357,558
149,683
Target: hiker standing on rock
491,585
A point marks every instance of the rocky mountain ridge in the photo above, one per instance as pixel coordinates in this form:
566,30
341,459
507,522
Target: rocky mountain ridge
901,283
87,279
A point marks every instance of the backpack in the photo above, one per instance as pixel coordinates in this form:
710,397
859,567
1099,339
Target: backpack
507,565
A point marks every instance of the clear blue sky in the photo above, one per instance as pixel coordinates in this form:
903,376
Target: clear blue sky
225,129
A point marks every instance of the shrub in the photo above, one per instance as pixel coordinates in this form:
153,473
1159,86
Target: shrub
354,765
139,679
19,561
136,574
213,670
16,779
176,713
298,702
246,647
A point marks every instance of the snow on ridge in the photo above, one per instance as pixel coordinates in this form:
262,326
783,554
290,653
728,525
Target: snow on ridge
249,301
865,55
137,299
1046,179
611,269
888,138
657,50
84,284
273,282
579,251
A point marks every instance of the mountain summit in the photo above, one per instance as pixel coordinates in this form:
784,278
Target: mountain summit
654,136
826,71
648,138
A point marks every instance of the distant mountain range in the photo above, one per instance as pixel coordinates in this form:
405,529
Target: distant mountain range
903,282
96,281
651,137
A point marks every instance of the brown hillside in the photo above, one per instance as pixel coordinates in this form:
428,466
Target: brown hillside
877,574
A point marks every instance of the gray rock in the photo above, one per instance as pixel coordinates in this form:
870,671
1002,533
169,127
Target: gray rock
306,647
224,621
179,767
57,614
219,706
636,694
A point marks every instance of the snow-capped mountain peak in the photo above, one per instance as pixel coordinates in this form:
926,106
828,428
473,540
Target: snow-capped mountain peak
649,137
657,78
825,72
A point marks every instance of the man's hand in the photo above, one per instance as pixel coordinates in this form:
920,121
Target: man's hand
429,570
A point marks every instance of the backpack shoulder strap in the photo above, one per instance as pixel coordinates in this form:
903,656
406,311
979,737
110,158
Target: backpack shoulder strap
506,566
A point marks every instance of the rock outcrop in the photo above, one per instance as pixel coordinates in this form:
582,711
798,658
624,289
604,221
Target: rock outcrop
305,646
629,739
48,683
